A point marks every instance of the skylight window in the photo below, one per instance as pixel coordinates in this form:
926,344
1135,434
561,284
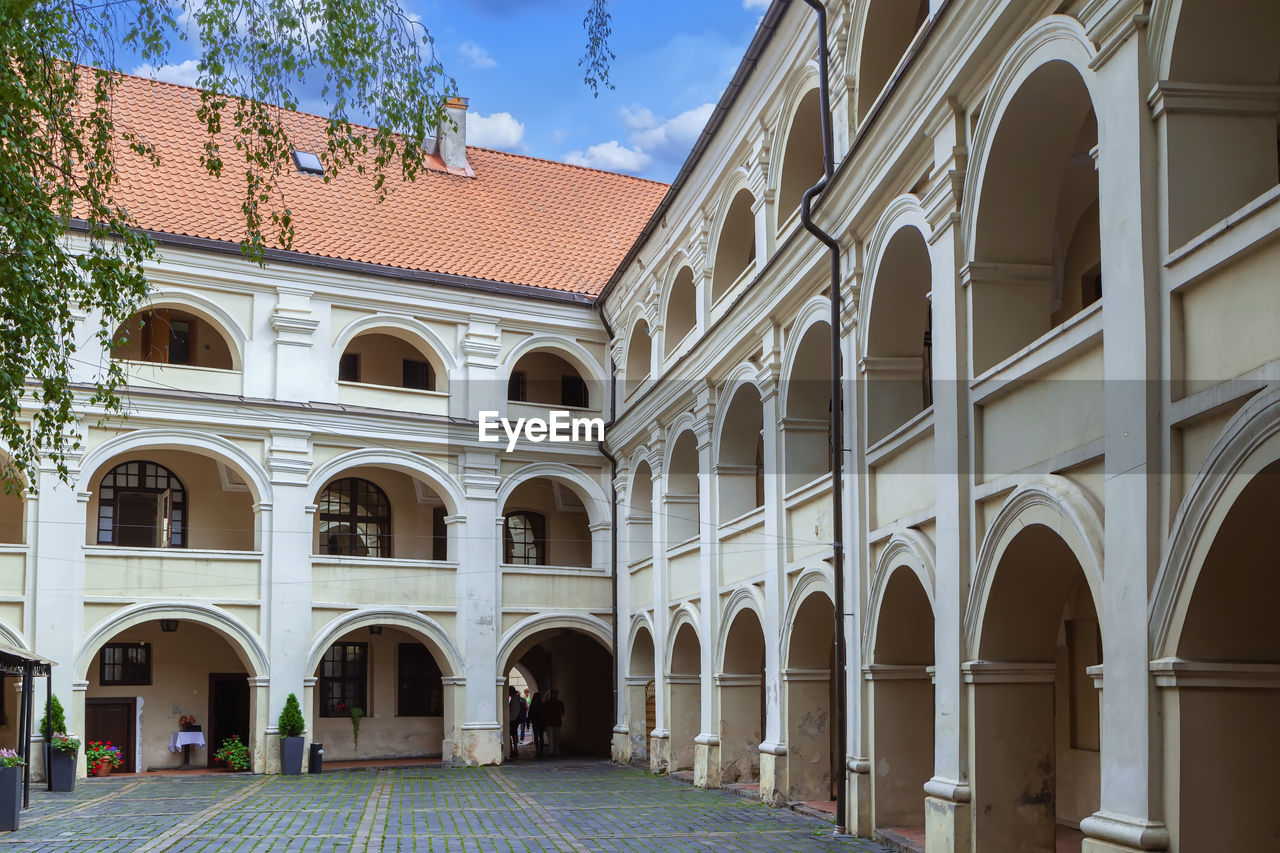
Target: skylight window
308,163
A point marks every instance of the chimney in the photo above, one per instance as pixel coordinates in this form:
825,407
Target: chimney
452,143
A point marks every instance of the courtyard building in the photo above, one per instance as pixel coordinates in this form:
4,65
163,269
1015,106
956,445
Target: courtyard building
1059,399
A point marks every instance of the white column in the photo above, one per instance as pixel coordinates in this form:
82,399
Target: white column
660,737
295,326
706,768
480,611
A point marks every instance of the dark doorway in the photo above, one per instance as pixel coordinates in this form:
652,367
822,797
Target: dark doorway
228,710
113,720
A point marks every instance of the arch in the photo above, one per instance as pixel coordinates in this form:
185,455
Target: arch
884,32
641,622
810,582
686,614
1031,214
584,623
735,247
682,484
901,213
742,598
206,309
639,516
1053,502
587,489
806,403
426,629
244,641
801,164
1249,442
191,441
11,637
571,351
639,356
679,309
641,694
908,549
408,329
426,470
739,459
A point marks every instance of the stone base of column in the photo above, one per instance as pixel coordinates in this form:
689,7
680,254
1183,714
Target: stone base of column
947,819
659,752
706,761
858,779
479,743
1111,833
621,745
773,774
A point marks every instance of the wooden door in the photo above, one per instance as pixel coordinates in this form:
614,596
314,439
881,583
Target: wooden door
114,720
228,710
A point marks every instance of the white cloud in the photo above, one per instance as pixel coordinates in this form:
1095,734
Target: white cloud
755,4
611,156
476,56
184,73
500,130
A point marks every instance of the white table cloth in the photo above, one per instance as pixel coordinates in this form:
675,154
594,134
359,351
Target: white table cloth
178,740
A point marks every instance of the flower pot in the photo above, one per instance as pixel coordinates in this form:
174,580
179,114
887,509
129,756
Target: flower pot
62,769
291,755
194,727
10,797
102,768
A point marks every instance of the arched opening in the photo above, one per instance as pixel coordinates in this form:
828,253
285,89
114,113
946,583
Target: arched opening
173,336
806,426
681,500
170,499
640,515
899,341
639,357
684,686
901,696
740,462
642,716
741,686
1035,711
802,159
889,29
1220,692
13,506
1220,111
544,378
396,681
735,252
380,513
682,311
809,683
545,523
145,678
573,671
1038,250
392,359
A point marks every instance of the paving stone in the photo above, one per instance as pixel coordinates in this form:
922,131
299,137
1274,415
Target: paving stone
567,806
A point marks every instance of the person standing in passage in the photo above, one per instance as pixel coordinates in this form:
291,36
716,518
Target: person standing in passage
553,716
515,716
536,722
524,725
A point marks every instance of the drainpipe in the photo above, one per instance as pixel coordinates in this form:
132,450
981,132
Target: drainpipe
613,499
837,410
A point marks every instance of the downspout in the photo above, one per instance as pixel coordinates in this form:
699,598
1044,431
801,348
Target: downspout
837,411
613,497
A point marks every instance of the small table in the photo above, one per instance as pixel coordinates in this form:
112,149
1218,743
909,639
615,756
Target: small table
184,741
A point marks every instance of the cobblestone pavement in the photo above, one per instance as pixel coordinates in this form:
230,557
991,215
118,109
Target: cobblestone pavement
562,806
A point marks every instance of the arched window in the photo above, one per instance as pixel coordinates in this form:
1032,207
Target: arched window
524,539
355,519
142,505
172,336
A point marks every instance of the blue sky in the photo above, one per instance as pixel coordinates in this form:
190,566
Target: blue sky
517,61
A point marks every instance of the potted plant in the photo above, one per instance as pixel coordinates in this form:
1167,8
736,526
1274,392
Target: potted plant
356,715
233,753
11,770
64,750
187,723
291,726
101,757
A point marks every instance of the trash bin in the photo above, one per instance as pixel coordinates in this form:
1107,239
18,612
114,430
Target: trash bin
315,760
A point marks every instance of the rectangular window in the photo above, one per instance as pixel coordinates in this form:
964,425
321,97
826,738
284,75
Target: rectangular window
439,535
524,540
344,678
139,519
124,664
573,391
417,374
517,388
349,367
420,688
179,342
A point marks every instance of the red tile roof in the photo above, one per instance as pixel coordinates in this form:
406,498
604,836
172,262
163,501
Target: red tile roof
520,220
